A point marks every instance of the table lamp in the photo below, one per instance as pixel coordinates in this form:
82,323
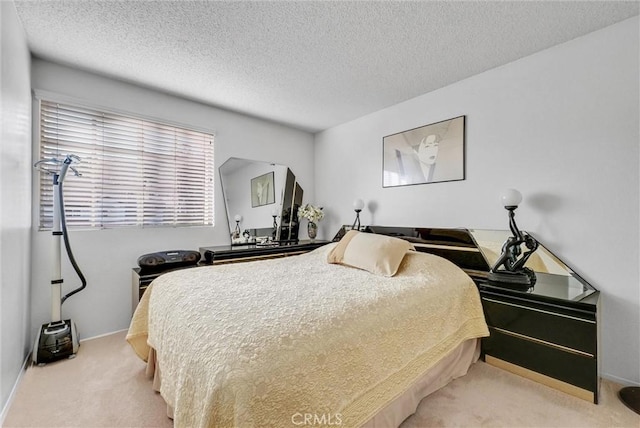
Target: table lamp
274,214
236,232
358,205
509,269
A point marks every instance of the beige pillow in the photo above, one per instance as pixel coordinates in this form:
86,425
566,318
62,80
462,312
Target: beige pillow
377,254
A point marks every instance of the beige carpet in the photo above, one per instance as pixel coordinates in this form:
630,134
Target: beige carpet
105,386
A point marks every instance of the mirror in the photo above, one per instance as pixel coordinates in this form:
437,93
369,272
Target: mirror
560,282
258,194
542,260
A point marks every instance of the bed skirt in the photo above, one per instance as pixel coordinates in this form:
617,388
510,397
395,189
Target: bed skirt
454,365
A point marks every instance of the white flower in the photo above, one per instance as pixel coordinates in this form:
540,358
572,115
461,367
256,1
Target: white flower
311,213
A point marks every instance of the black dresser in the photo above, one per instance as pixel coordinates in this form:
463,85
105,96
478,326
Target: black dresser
243,253
220,254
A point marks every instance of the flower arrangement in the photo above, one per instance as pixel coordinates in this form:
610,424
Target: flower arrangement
311,213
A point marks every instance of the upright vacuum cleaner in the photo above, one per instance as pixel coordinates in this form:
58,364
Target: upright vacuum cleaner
58,339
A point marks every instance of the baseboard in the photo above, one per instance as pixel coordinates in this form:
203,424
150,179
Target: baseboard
619,380
103,335
7,405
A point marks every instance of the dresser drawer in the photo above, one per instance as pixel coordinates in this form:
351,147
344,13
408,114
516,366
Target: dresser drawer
571,368
565,330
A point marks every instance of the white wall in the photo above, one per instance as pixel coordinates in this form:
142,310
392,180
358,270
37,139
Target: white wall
15,200
562,127
107,256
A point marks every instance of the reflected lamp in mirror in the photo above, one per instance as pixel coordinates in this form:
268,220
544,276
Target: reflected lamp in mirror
236,231
509,269
274,214
358,205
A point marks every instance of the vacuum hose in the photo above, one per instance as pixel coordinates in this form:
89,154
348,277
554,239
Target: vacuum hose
63,223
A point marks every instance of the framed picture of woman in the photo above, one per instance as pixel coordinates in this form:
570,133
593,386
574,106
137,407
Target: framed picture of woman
428,154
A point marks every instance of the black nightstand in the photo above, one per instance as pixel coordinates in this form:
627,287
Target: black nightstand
549,333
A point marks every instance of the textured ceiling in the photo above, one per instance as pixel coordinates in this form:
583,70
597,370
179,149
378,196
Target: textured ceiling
307,64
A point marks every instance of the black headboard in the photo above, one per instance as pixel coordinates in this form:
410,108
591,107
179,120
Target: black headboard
455,245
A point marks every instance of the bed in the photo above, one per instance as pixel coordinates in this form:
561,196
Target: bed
301,341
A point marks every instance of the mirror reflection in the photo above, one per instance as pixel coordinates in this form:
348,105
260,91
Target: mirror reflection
542,260
261,200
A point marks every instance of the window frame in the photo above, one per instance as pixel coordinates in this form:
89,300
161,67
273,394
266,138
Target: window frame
44,222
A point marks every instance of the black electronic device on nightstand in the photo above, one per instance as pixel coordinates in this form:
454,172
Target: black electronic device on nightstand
165,260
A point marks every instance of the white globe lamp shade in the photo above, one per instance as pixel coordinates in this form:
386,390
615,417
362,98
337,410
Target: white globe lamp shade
358,204
511,198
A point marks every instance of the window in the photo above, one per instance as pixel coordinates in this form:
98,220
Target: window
134,172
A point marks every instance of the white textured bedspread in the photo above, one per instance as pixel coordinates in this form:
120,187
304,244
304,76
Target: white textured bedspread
268,343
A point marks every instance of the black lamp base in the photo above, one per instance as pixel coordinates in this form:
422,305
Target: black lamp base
521,280
630,396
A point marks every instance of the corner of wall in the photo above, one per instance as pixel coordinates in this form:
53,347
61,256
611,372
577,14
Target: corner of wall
15,200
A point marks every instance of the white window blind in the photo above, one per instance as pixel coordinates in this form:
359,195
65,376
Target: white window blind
134,172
